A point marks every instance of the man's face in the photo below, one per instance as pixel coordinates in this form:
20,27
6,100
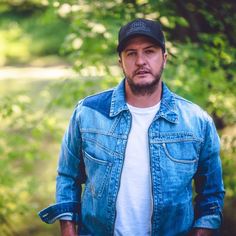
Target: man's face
142,62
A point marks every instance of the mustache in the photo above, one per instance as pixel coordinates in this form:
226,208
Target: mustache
141,70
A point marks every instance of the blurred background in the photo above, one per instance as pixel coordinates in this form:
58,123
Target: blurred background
52,53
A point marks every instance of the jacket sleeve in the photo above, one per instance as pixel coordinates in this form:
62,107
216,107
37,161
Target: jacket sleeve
208,182
70,177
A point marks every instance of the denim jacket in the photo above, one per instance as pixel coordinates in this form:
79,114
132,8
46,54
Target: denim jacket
183,146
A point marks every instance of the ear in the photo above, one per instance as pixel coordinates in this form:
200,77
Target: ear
120,62
165,55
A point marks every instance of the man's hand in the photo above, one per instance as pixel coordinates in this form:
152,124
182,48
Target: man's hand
201,232
67,228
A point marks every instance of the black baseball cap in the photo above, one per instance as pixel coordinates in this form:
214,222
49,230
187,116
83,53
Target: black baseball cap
142,27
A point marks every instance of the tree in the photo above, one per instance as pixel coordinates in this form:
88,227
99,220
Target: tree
200,41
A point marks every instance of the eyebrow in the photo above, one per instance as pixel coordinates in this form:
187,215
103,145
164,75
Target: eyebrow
151,46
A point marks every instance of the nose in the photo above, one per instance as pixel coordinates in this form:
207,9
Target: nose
140,59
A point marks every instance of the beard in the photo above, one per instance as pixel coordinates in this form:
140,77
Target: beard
147,88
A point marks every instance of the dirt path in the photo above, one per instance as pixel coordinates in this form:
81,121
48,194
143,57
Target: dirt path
41,73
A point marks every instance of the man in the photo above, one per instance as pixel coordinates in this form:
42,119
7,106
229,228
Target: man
137,148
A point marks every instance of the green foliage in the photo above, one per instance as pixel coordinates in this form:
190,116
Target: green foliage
28,135
200,76
201,67
78,89
201,55
24,27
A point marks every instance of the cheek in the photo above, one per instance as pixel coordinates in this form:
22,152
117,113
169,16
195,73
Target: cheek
157,63
127,66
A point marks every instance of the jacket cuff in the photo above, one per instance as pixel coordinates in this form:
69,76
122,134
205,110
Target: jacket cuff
65,210
66,216
208,222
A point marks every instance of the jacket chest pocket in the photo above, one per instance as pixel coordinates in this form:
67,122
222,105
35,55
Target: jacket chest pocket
180,157
179,163
179,154
98,172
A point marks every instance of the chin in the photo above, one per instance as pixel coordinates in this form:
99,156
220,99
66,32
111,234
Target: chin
144,81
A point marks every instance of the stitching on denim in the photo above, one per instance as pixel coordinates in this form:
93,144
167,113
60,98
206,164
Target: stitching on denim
171,137
114,125
102,162
103,147
177,160
172,141
96,131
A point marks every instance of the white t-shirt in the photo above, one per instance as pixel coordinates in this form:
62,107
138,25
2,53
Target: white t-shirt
134,201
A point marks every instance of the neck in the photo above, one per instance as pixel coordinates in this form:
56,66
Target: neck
146,100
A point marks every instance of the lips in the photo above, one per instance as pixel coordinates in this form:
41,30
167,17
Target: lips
142,72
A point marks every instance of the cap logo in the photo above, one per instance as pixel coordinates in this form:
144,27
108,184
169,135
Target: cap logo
138,26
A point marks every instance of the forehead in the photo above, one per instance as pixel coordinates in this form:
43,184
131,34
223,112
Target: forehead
140,41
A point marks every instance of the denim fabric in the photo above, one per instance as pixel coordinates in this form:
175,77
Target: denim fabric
183,144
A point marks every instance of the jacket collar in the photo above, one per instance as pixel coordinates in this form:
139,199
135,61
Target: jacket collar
118,102
167,109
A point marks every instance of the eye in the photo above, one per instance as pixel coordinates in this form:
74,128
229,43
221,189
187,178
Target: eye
149,51
131,53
